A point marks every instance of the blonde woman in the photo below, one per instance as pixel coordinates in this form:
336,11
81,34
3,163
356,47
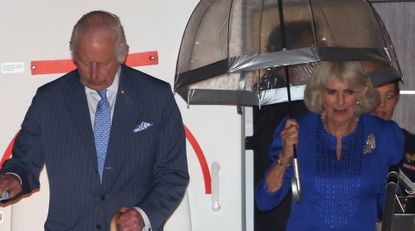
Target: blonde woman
344,154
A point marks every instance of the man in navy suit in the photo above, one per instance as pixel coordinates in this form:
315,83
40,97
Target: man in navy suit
142,172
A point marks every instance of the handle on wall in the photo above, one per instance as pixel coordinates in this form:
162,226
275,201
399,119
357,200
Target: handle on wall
215,186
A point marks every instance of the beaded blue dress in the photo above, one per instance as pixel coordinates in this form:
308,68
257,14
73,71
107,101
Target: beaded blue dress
338,195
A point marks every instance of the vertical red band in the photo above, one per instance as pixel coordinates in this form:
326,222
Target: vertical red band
201,158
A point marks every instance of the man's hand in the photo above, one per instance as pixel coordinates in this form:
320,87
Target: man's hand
11,184
130,220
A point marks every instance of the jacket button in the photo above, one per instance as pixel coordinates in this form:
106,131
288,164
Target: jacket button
98,226
102,197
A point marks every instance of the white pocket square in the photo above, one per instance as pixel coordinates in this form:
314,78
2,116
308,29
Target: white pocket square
142,126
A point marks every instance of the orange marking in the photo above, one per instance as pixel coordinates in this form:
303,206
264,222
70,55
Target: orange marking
41,67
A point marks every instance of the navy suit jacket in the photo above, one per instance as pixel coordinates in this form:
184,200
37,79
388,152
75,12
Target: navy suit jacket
146,168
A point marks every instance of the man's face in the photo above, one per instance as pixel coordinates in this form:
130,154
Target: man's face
97,60
388,100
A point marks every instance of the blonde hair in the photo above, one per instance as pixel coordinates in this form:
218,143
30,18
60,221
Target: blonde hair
350,73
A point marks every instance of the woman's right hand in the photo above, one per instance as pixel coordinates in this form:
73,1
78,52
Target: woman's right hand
289,138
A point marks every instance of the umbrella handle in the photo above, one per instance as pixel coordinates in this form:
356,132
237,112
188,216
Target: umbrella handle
295,180
114,220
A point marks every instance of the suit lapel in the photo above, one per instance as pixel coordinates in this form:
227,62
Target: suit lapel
123,106
123,113
77,105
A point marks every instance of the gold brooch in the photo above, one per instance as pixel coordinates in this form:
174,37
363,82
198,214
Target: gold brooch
370,144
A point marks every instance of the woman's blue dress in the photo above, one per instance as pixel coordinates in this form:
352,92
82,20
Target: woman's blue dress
341,195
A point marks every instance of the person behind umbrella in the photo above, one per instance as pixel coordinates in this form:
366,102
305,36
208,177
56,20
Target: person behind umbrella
344,153
389,97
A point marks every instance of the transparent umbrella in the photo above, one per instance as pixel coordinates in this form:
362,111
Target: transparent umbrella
259,52
241,52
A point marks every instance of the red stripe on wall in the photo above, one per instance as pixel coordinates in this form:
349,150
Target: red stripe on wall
202,160
41,67
52,66
142,59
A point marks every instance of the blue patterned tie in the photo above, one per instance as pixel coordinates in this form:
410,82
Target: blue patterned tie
102,127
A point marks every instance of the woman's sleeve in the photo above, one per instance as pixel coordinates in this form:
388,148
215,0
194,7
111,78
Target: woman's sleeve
266,200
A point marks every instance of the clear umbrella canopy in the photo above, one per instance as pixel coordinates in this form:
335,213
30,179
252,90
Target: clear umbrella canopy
238,52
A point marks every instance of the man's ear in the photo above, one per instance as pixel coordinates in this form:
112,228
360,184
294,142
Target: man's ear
124,55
